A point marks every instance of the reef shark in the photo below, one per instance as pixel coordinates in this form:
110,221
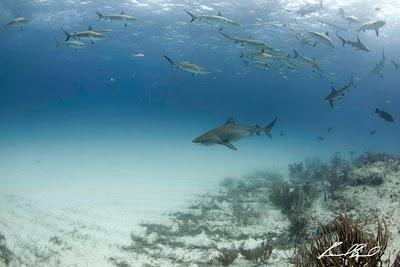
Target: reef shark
334,25
120,17
188,66
230,132
395,64
345,15
322,38
377,70
309,61
338,94
358,45
90,34
214,19
75,44
372,25
250,42
310,8
17,22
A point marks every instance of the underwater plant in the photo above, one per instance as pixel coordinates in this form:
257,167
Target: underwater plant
343,229
371,157
259,254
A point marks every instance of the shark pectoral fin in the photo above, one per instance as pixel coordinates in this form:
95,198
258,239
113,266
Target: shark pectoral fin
228,144
331,103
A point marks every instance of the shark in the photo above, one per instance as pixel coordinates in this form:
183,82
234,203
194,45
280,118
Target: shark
260,64
377,70
338,94
16,22
358,45
250,42
346,16
310,8
120,17
310,61
90,34
395,64
230,132
334,25
322,38
372,25
187,66
258,56
214,19
75,44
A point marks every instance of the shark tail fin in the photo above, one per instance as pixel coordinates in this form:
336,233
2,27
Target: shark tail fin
296,54
352,82
341,39
396,66
268,129
193,17
57,43
170,61
67,35
100,15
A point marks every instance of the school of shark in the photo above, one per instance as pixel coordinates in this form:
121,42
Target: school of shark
345,31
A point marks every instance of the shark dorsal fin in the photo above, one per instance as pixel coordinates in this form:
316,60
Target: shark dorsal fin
90,28
327,33
122,12
219,13
230,120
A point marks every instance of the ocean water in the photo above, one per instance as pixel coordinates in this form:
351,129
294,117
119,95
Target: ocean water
100,130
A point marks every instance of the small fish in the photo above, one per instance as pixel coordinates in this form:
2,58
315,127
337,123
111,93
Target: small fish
137,55
321,138
112,80
281,134
372,132
384,115
330,129
230,131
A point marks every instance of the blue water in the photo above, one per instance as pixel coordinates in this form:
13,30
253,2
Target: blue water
100,114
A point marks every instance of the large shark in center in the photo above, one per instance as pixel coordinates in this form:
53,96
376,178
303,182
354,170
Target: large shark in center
230,132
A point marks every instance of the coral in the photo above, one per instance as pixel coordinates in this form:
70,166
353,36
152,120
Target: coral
370,158
310,170
227,256
338,174
260,254
345,230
